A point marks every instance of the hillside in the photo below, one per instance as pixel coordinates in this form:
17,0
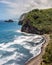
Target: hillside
37,21
47,57
40,22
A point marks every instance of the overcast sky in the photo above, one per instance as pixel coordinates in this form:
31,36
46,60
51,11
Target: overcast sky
13,8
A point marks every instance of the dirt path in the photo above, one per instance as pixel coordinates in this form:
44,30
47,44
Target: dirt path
37,60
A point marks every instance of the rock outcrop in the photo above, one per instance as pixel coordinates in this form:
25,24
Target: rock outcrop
21,19
28,28
10,20
36,21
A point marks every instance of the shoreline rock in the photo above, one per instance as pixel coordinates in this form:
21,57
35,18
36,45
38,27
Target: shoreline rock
10,20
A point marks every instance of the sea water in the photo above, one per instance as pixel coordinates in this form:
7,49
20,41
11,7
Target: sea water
17,47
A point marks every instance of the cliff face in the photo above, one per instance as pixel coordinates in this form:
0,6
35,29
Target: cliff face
28,28
37,21
21,19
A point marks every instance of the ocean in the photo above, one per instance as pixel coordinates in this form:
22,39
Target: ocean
17,47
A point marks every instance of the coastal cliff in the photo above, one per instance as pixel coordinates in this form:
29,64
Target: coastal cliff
37,21
22,19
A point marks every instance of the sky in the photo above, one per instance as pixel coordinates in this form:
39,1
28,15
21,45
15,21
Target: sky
11,9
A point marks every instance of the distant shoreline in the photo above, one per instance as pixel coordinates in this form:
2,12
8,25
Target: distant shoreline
33,60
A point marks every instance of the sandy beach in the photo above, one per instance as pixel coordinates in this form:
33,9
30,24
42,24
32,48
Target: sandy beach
37,60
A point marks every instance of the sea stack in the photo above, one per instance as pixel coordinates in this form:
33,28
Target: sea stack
10,20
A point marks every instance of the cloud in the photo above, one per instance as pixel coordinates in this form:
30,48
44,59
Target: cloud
10,4
17,7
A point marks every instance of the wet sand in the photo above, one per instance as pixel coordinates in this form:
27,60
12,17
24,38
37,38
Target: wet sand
37,60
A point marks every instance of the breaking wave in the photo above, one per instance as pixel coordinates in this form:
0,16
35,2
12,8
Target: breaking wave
21,49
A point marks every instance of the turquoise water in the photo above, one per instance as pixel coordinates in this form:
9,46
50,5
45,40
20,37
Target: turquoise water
16,47
9,49
7,31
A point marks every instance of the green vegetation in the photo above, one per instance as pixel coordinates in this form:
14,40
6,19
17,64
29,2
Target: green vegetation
41,19
47,57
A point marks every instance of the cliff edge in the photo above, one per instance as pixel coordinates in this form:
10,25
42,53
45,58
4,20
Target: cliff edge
37,21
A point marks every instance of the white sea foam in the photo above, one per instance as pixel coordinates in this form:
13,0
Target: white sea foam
22,42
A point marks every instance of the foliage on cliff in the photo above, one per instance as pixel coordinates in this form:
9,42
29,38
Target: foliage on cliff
40,19
47,57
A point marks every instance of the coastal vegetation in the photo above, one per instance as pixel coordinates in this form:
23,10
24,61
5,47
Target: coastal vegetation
37,21
47,57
